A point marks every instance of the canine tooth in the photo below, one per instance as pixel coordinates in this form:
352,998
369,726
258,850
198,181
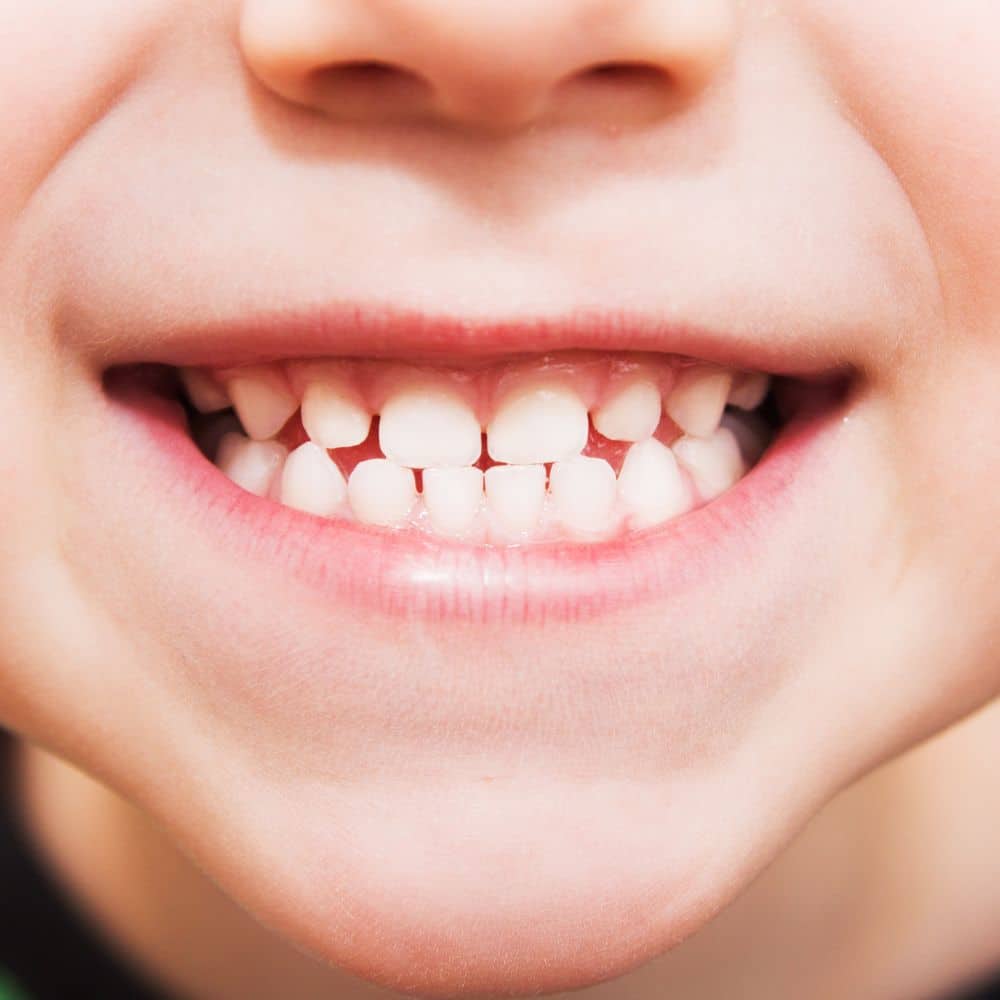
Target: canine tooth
715,463
311,481
584,491
252,465
651,486
334,415
542,422
515,496
381,492
698,399
749,390
262,400
453,498
424,426
206,395
631,413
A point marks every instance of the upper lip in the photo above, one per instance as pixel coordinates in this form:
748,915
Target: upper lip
382,330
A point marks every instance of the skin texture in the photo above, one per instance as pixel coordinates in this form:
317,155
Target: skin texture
462,809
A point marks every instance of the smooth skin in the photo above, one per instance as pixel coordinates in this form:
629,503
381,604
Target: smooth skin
789,793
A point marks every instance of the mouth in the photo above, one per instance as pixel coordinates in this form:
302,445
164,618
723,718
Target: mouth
448,480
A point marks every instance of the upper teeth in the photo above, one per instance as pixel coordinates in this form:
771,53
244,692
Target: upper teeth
544,422
537,424
204,392
334,414
632,411
749,390
425,426
698,399
263,401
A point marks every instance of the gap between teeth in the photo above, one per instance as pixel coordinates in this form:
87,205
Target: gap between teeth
678,445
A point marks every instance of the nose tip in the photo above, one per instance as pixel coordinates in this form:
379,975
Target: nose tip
482,63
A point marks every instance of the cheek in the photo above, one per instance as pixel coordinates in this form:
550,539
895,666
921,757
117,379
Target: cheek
82,53
923,79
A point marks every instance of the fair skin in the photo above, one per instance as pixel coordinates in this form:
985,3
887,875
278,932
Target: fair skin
479,768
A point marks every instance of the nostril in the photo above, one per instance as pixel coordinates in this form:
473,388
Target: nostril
368,77
619,93
626,73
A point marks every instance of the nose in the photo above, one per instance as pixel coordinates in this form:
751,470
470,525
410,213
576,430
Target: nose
490,64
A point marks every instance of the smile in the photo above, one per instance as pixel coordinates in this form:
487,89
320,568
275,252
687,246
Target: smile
562,482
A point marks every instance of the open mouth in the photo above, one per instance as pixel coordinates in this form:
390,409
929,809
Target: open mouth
571,446
480,475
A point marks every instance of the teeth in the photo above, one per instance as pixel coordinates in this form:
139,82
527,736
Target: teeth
334,415
429,426
262,400
698,399
584,492
252,465
381,492
546,422
453,498
515,497
631,413
651,486
311,482
749,390
547,480
715,463
206,395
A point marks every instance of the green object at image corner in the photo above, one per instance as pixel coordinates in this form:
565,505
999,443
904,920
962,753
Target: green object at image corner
8,991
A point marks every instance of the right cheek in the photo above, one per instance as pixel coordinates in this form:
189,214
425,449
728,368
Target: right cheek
72,59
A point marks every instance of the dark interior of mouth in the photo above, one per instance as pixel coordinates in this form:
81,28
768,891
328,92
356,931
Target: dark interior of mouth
786,403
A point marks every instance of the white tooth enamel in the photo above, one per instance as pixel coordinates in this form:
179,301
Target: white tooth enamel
540,422
749,390
424,426
651,486
698,398
631,412
252,465
515,497
311,482
381,492
453,498
334,414
583,492
715,463
206,395
262,400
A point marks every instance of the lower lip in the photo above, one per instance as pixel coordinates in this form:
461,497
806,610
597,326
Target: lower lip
408,574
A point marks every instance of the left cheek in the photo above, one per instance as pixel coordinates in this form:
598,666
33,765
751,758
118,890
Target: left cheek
924,79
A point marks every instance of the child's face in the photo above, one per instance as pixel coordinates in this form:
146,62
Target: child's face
411,754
